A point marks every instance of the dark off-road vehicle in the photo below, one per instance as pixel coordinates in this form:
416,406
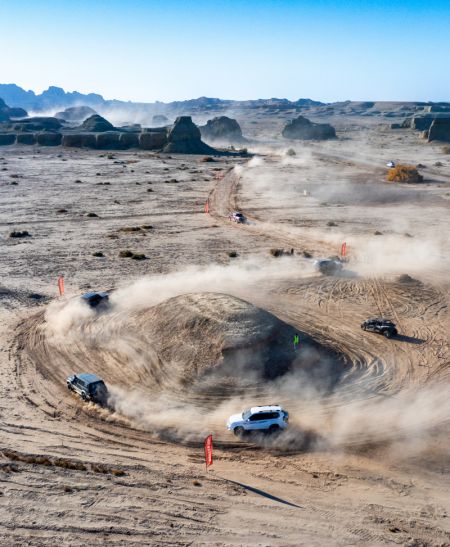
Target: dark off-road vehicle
380,326
89,386
96,300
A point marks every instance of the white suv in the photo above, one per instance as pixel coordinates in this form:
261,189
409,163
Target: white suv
269,419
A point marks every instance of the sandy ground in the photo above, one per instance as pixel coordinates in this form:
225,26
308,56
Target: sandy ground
367,458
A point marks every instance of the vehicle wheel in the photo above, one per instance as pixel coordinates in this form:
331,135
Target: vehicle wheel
363,327
238,431
387,333
274,428
83,396
69,387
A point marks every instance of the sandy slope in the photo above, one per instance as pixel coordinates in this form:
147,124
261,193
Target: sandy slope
367,459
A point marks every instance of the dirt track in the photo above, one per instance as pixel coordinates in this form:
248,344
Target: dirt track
367,461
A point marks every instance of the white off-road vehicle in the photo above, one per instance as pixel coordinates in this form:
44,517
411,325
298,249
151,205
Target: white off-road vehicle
266,419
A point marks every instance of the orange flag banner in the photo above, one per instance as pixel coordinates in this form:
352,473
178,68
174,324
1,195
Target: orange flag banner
207,206
344,249
208,451
61,285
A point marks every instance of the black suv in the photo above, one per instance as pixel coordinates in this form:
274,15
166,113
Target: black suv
89,386
96,300
380,326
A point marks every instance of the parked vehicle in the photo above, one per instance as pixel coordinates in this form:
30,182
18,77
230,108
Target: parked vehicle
380,326
96,300
266,419
328,266
390,164
238,217
89,386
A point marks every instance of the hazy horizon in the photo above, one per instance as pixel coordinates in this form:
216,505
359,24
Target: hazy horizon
146,51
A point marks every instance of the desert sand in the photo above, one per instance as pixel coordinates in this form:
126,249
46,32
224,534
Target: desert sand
366,458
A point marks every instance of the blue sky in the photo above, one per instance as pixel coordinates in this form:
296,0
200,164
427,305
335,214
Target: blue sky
173,50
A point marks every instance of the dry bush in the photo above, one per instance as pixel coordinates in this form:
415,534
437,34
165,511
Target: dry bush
138,256
125,254
117,472
404,173
196,482
331,223
207,159
23,233
98,254
92,215
232,254
276,252
128,229
446,149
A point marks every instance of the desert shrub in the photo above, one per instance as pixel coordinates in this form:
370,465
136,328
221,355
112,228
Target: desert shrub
117,472
138,256
23,233
149,189
98,254
207,159
276,252
78,181
307,254
331,223
377,233
196,482
404,173
290,152
60,211
92,215
232,254
147,227
446,149
129,229
438,164
125,254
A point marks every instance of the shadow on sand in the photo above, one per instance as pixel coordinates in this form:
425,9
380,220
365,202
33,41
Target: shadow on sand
409,339
261,493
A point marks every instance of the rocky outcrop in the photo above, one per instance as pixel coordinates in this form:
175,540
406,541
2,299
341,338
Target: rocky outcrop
96,124
222,130
439,130
79,140
26,138
108,141
302,129
128,140
37,123
160,119
48,139
155,139
7,138
185,138
7,113
423,122
76,113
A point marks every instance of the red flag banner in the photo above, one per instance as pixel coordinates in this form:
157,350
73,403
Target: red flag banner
344,249
207,206
208,451
61,285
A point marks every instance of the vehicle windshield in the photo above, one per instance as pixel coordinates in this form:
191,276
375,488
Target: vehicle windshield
246,414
